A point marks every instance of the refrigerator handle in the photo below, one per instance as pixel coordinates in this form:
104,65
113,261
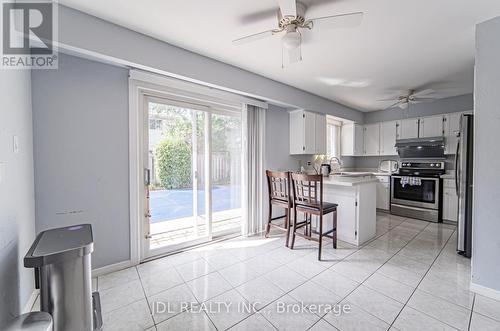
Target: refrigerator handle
457,157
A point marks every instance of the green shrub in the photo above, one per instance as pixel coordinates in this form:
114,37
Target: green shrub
173,163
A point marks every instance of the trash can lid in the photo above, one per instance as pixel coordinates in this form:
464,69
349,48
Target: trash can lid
34,321
57,245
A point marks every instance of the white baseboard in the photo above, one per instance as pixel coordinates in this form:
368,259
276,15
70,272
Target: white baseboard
112,268
31,301
485,291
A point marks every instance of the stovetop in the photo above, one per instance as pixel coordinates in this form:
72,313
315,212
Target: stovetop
421,168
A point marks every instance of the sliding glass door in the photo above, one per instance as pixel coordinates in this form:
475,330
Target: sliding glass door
192,162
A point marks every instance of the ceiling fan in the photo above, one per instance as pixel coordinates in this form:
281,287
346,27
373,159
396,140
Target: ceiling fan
403,101
292,19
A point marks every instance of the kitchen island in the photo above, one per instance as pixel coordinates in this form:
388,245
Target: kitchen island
356,211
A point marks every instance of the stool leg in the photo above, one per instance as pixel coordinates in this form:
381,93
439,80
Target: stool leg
320,236
335,230
287,225
294,226
268,228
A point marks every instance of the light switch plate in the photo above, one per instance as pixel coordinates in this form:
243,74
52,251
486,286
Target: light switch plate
15,144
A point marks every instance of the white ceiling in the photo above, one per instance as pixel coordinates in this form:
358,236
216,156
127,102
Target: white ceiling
399,45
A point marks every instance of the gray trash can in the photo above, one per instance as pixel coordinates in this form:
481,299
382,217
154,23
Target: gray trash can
34,321
61,258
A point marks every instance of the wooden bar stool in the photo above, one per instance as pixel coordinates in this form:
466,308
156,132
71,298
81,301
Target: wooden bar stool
308,199
278,184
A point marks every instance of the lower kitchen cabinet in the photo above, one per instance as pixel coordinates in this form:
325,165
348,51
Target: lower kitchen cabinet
450,201
383,193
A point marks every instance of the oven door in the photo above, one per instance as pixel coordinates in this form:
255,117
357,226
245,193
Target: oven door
425,195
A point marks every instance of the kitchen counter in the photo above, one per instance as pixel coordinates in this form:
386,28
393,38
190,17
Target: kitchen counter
340,180
448,175
356,211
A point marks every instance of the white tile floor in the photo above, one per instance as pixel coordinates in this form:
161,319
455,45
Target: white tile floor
408,278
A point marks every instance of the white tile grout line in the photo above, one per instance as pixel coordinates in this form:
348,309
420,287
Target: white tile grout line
471,311
282,264
430,267
345,297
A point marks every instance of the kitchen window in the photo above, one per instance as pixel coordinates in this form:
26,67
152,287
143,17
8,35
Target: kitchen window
333,137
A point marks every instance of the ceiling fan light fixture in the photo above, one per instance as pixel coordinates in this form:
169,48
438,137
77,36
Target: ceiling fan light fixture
291,40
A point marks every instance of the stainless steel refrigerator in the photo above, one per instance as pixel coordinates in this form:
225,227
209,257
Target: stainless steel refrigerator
464,183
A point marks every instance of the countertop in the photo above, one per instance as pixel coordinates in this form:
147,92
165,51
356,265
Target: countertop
348,180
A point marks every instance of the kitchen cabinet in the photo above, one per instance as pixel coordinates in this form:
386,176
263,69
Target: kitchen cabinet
371,139
389,132
383,192
351,140
320,134
409,128
307,132
450,200
451,129
431,126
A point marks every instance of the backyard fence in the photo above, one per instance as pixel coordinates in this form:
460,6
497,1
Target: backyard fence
221,167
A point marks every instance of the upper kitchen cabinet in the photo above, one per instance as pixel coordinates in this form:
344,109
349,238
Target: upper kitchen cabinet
307,133
351,140
409,128
431,126
371,139
451,129
320,136
389,132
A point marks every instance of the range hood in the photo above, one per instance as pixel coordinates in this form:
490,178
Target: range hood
421,148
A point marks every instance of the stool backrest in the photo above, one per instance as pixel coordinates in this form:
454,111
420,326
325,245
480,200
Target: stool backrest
307,190
278,184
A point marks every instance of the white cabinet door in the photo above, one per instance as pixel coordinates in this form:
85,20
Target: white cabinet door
358,140
431,126
303,132
296,132
309,134
388,136
320,136
451,129
372,139
409,128
346,213
383,195
351,140
347,139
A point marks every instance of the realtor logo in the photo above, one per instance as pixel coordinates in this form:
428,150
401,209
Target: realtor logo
29,32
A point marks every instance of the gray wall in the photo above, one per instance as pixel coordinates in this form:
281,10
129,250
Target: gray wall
17,203
486,220
441,106
80,31
80,118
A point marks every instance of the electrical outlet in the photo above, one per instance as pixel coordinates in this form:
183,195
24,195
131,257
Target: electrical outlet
309,163
15,144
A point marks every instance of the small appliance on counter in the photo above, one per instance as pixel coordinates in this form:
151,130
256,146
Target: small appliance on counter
388,166
416,190
326,169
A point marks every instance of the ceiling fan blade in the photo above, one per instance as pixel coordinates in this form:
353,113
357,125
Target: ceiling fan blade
288,8
393,105
390,99
421,100
341,21
254,37
423,92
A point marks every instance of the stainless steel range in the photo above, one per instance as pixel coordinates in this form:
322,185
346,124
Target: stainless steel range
416,190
